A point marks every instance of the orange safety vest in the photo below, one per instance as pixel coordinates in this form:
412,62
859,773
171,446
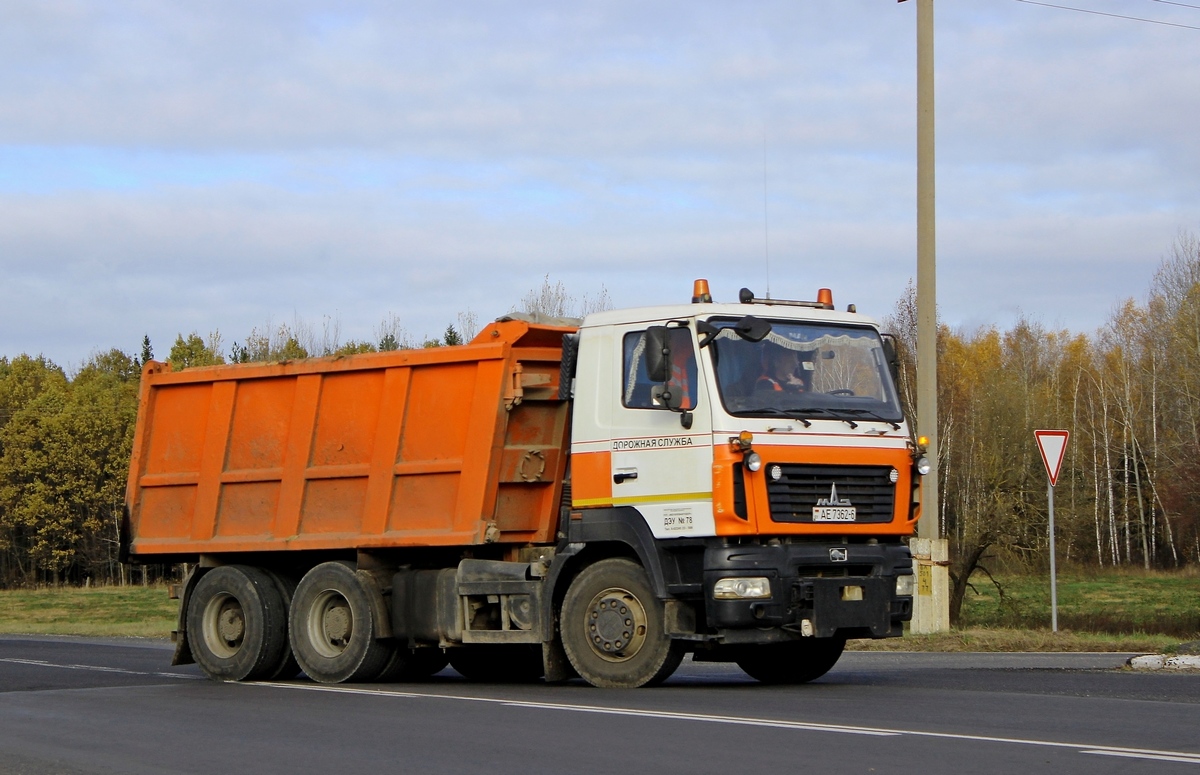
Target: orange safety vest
768,380
679,379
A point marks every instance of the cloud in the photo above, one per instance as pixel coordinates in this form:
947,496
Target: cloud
170,168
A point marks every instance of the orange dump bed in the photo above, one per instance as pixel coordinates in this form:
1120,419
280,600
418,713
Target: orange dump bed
438,447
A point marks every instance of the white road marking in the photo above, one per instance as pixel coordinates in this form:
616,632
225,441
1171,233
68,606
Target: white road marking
1189,758
98,668
1100,750
662,714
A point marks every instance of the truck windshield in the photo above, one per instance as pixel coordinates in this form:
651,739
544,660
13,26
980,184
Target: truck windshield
806,370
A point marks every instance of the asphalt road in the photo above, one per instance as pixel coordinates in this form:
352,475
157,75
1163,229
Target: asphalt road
70,706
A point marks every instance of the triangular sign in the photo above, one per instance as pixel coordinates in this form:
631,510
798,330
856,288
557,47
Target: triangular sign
1053,446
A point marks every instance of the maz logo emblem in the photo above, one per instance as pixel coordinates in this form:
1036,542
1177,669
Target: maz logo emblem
838,554
833,499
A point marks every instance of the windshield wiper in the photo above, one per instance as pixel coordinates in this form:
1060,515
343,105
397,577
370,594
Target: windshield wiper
815,412
870,415
831,414
773,410
803,415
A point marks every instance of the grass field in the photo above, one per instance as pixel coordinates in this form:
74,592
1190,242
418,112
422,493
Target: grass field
1111,611
1114,602
132,611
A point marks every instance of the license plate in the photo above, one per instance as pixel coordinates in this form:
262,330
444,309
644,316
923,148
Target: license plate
834,514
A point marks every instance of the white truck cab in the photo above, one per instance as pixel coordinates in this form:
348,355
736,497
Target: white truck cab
757,457
792,428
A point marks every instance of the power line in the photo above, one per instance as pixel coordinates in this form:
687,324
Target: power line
1172,2
1113,15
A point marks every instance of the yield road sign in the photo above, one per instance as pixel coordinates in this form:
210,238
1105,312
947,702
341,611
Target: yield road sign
1053,446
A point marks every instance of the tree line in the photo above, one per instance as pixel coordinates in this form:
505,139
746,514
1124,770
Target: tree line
1128,493
66,439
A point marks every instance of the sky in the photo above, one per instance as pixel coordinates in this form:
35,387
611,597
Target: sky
226,166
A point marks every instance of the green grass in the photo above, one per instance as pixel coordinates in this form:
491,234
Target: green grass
130,611
1115,602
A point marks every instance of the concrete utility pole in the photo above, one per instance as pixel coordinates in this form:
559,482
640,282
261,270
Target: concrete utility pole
930,549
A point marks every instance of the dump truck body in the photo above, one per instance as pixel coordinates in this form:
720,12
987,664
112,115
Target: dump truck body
450,446
546,500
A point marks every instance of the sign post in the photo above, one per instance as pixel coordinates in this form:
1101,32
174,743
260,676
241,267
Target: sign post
1053,446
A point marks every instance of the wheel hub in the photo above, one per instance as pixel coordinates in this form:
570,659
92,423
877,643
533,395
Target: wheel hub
337,624
330,624
616,624
223,625
231,623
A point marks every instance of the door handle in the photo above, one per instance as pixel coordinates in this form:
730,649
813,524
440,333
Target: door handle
620,476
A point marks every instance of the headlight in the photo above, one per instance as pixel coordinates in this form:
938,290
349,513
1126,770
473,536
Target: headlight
904,585
923,465
753,461
746,588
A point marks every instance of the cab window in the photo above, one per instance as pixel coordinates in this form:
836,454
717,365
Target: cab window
638,392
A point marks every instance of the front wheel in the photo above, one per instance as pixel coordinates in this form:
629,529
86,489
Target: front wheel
794,662
612,627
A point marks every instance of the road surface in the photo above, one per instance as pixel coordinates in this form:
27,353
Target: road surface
72,706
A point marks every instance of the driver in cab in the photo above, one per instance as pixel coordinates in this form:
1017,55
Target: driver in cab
781,371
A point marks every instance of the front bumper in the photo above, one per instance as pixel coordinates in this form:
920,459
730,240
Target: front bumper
821,588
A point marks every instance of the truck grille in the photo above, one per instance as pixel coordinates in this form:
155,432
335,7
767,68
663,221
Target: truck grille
798,488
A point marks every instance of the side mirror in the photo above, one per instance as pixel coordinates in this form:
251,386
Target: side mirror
752,329
664,396
891,355
658,369
658,354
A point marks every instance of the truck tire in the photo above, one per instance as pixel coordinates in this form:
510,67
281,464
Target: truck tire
333,629
515,663
796,662
237,624
612,627
288,666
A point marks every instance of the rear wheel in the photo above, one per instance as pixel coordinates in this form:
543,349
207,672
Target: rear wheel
237,624
288,667
333,629
791,663
516,663
612,627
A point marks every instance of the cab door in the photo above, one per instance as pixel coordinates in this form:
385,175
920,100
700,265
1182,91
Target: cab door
660,467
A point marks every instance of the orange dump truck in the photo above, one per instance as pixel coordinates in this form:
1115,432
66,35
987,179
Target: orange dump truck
555,498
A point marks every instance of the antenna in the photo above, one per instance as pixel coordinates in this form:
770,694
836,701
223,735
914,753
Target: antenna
766,220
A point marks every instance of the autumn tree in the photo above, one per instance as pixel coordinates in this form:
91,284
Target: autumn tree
64,464
23,383
553,300
355,348
196,351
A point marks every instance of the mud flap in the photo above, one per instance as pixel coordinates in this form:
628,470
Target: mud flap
183,650
554,660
